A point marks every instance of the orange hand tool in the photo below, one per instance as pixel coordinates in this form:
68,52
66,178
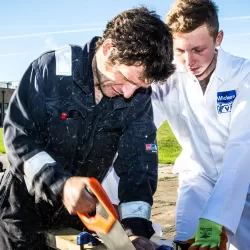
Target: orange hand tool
105,222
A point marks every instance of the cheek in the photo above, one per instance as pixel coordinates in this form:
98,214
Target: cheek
110,75
110,72
207,58
180,58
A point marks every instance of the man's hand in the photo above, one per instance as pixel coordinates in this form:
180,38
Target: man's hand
76,198
142,243
209,235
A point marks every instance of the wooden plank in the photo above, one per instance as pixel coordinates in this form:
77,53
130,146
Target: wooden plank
65,239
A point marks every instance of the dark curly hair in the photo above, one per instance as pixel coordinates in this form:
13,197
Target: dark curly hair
140,37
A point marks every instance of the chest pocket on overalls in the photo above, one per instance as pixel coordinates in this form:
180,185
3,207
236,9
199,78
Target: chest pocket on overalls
65,125
107,136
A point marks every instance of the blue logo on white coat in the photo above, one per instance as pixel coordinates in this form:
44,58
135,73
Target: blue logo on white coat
225,101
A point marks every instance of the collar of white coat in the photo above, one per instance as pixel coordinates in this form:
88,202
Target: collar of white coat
223,65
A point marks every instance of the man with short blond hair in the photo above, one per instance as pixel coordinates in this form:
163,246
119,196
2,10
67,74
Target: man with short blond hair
207,105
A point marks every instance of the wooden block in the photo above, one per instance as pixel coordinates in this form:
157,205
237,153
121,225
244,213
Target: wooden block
65,239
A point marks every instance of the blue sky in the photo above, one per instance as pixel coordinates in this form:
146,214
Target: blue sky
31,27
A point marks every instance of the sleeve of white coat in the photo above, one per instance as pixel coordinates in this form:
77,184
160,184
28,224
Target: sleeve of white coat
157,103
227,200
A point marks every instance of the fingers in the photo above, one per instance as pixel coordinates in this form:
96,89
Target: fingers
208,248
224,240
194,247
141,243
223,243
79,206
199,247
86,202
76,198
190,241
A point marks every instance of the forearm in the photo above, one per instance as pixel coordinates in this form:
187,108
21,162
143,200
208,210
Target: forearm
44,177
229,195
137,167
137,186
24,140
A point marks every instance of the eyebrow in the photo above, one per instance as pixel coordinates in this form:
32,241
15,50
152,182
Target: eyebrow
128,79
197,47
141,78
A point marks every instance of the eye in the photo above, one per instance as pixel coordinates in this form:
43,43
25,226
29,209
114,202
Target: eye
127,80
198,50
179,51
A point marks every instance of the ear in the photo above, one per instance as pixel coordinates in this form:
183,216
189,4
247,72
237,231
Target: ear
219,38
107,47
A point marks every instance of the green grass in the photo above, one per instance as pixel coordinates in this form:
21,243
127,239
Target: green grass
2,149
168,147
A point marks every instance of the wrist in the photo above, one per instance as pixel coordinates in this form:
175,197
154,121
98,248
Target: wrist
209,223
138,227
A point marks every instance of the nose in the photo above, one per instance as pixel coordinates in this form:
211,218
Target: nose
128,90
189,60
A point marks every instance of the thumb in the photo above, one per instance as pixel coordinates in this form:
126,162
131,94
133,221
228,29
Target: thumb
191,240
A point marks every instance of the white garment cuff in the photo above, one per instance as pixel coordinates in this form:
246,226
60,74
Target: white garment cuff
34,164
135,209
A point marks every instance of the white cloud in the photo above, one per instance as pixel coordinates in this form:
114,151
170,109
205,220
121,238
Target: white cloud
52,25
15,54
235,18
239,34
48,33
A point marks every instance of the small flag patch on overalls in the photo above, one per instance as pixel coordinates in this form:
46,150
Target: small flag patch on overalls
151,147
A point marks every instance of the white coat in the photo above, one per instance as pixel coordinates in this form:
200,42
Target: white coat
214,132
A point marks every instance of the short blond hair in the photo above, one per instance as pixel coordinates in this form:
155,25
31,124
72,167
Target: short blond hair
187,15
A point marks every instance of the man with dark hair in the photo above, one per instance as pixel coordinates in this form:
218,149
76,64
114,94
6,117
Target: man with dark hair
73,111
206,101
